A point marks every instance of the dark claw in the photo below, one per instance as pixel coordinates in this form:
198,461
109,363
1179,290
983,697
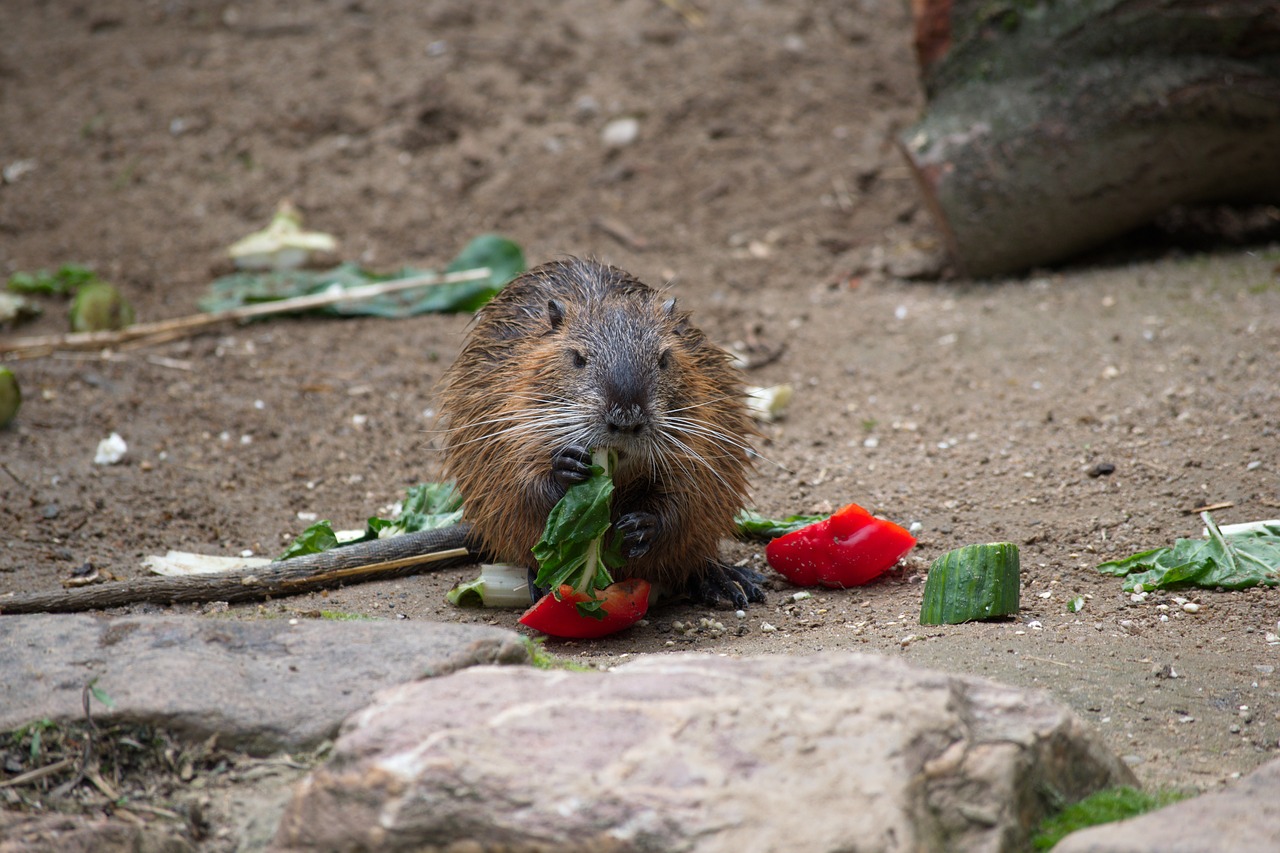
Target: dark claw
732,584
638,531
535,592
571,465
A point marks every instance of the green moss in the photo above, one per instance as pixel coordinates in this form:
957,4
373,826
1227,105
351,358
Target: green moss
339,616
1103,807
543,659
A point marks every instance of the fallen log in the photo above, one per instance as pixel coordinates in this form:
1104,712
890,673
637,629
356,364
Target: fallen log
378,559
1051,127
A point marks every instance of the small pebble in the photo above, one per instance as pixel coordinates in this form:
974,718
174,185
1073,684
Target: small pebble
620,132
766,628
1100,469
801,596
1191,607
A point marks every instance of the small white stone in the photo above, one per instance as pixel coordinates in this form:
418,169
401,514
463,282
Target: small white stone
110,450
766,628
620,132
1191,607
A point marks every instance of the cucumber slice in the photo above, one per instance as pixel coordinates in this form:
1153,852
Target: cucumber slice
973,582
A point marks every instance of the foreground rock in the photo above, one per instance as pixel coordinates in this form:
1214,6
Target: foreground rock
261,686
1243,818
693,753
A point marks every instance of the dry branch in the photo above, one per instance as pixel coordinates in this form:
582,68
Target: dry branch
379,559
166,330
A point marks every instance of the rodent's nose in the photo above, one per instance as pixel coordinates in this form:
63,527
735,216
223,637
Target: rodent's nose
629,420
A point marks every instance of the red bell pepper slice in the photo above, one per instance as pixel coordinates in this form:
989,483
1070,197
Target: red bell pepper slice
850,548
625,603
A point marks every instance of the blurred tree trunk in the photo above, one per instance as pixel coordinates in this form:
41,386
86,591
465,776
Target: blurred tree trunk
1052,126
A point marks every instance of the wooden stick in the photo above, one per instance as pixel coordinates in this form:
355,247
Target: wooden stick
375,560
165,330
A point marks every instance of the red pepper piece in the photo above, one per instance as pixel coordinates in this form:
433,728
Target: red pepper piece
850,548
625,603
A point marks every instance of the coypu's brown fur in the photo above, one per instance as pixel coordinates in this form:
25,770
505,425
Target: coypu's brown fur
572,356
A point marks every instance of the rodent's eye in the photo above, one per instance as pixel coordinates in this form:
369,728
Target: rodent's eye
664,359
579,360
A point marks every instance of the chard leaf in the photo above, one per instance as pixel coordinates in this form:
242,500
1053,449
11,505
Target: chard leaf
426,506
64,281
316,538
753,525
504,258
572,549
1235,561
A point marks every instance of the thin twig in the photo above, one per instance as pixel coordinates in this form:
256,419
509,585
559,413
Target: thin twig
165,330
39,773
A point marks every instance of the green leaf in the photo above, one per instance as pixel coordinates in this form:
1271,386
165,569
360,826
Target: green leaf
1238,561
100,694
592,608
753,525
316,538
973,582
67,279
504,258
426,506
572,544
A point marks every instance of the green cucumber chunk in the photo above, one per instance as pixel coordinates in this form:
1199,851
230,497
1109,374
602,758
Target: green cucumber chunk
971,583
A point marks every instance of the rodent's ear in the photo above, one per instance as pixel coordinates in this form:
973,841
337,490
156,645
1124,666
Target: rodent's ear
682,323
555,313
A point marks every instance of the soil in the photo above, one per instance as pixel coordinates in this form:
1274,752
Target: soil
763,189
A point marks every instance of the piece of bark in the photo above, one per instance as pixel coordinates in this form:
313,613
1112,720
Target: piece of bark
1053,127
378,559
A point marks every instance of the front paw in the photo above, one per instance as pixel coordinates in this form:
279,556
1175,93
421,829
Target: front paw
638,530
722,585
571,465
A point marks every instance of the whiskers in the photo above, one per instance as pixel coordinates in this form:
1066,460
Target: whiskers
543,420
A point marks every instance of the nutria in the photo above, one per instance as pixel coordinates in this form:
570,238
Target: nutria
573,356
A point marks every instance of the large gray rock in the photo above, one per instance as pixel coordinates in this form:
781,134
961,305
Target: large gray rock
262,686
1242,818
836,752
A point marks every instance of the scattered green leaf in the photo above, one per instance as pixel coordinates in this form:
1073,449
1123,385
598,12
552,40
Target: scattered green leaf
504,258
1237,561
753,525
1076,604
426,506
1103,807
63,281
316,538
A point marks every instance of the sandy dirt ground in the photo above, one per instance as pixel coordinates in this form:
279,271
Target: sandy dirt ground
763,189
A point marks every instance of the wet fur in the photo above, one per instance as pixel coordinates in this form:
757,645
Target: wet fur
562,351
